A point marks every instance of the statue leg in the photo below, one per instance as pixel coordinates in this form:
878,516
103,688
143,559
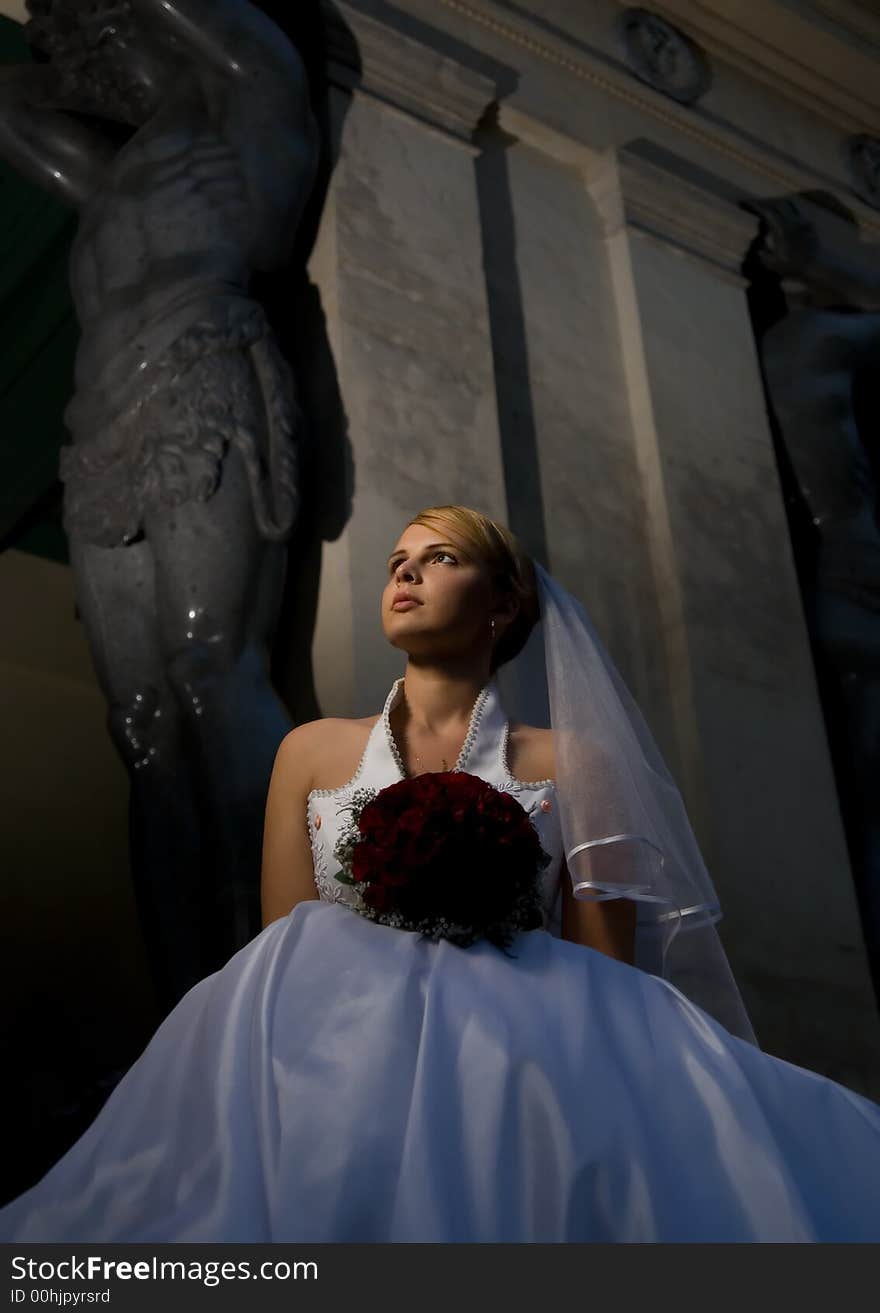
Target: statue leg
116,598
218,591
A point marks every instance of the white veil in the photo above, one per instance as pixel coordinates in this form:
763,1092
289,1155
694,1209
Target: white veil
624,826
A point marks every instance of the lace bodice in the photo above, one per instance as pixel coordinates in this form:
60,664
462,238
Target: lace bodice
483,753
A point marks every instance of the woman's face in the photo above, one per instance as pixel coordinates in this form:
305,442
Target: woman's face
452,593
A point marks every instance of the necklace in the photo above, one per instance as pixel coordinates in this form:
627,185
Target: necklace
396,749
443,760
420,766
418,760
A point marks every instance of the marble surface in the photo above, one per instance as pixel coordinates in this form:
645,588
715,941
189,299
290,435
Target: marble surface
409,321
550,322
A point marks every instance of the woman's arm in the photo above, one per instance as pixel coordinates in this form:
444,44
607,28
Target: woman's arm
609,926
288,873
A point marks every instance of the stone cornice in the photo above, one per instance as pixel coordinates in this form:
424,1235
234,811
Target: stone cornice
635,193
380,60
576,64
559,146
656,198
820,55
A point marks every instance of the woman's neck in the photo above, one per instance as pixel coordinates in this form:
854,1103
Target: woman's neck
437,703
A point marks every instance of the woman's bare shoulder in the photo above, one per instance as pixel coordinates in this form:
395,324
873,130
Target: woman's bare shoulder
332,747
330,728
531,733
530,752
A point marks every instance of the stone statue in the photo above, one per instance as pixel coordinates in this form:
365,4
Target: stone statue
821,364
181,131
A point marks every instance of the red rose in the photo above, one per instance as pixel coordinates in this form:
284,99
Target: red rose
447,847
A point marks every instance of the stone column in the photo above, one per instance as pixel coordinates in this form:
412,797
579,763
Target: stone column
752,750
563,397
398,264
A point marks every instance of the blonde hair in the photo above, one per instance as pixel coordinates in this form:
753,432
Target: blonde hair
511,568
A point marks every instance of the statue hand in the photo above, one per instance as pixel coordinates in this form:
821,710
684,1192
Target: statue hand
58,87
35,85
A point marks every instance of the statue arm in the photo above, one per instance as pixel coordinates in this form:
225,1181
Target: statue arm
232,36
46,145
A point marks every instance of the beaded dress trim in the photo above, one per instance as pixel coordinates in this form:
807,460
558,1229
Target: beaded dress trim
331,889
469,738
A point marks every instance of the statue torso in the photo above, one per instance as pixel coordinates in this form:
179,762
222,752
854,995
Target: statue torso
188,206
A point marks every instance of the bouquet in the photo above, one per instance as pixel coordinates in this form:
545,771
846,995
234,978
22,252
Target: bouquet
446,854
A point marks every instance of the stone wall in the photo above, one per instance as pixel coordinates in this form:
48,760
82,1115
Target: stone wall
528,278
531,269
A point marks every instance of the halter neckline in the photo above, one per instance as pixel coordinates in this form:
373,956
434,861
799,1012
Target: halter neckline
483,697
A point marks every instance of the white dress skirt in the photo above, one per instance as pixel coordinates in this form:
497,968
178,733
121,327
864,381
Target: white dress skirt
343,1081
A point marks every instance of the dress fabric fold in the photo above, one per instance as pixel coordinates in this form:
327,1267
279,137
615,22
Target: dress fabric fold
343,1081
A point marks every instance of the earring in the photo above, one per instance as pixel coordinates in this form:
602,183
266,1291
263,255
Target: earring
493,628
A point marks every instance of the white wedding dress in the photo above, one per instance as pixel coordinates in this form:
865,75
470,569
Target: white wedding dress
340,1080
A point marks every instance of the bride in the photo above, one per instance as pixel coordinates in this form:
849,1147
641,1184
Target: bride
513,1071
